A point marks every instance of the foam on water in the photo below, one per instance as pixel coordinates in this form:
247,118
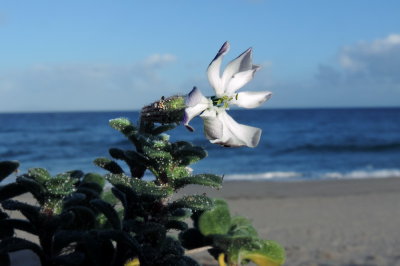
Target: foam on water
263,176
361,174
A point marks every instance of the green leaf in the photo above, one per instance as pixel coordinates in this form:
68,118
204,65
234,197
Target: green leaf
94,178
123,125
7,168
194,202
269,254
41,175
72,259
61,185
241,226
163,128
74,199
192,238
208,180
140,187
32,186
215,221
11,190
137,158
109,211
32,213
180,214
19,225
177,225
190,154
75,174
63,238
154,233
108,165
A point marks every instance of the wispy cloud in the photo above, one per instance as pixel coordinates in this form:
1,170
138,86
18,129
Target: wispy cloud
364,74
376,62
85,86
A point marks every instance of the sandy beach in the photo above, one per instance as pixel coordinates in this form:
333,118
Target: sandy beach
337,222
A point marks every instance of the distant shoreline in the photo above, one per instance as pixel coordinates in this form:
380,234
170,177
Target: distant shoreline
232,109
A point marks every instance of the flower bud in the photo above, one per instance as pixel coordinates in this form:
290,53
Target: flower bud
165,111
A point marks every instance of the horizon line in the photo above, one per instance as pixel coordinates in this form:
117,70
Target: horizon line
233,109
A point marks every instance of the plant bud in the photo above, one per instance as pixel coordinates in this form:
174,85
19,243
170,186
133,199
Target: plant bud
165,111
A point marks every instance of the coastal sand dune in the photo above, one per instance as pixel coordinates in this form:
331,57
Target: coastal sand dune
338,222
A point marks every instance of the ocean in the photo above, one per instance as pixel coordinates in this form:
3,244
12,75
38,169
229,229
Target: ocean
296,144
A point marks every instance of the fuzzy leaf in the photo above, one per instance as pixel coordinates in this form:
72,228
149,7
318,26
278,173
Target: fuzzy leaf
32,213
139,186
63,238
11,190
108,165
39,174
194,202
123,125
72,259
90,188
32,186
208,180
74,199
75,174
84,217
121,237
192,238
154,233
270,254
7,168
19,225
241,226
177,225
163,128
108,211
137,158
216,220
172,246
180,214
61,185
190,154
94,178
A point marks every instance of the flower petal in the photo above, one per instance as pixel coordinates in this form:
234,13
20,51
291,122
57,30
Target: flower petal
213,127
242,63
213,71
233,133
251,99
196,103
195,97
240,79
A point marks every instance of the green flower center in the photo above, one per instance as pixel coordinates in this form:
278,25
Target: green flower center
223,101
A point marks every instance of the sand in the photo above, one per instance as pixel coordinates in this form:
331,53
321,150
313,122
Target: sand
338,222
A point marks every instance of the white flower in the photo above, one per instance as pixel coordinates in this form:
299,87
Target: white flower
219,127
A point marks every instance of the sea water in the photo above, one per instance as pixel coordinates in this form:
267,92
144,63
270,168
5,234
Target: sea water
296,144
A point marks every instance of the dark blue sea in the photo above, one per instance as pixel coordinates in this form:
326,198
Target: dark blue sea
296,144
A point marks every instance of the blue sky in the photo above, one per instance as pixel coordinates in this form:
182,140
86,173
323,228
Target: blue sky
120,55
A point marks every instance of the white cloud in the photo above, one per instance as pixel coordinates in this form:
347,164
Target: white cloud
85,86
365,74
159,60
378,60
